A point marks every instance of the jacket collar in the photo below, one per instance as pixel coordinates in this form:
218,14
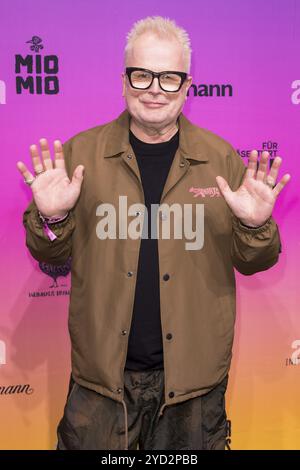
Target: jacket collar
190,142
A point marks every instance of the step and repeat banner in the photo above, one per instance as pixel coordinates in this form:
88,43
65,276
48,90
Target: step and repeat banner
60,73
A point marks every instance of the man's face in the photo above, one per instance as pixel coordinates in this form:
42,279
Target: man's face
155,107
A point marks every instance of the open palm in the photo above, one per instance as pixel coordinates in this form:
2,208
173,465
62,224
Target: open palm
254,200
52,190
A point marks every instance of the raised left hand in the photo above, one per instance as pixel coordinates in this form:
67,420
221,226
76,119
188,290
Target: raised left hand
254,200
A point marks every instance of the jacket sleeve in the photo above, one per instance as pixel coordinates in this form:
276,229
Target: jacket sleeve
252,249
40,246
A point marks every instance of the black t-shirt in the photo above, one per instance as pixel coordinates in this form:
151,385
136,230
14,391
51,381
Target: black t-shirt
145,345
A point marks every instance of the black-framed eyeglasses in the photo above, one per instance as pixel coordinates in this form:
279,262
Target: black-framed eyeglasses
142,79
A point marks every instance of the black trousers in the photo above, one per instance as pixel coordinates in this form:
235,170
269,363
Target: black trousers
93,421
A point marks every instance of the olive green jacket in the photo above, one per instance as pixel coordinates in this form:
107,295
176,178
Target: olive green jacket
197,296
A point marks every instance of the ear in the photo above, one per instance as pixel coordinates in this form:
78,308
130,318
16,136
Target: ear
189,81
123,77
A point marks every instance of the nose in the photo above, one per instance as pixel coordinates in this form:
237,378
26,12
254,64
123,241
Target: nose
155,88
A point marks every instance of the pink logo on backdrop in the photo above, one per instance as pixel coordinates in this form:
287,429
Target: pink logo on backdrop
211,191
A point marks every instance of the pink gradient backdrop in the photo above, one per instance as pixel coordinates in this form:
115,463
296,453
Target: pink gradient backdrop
250,44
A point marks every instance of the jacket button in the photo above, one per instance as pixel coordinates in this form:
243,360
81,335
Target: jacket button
124,332
182,164
130,274
171,394
166,277
129,157
169,336
119,390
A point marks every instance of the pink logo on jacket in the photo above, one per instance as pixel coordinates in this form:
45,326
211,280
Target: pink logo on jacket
211,191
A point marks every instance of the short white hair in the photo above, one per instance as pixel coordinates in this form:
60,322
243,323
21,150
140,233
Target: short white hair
164,28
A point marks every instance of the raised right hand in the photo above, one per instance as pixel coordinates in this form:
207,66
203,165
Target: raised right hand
53,192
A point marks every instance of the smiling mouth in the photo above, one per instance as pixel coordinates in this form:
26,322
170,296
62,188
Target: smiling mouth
153,104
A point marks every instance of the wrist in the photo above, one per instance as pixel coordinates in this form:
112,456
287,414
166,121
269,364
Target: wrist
250,225
54,218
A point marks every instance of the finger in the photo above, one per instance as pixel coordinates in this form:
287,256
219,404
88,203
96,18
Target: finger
46,157
252,164
78,176
262,167
27,175
225,189
35,158
273,173
281,184
59,160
